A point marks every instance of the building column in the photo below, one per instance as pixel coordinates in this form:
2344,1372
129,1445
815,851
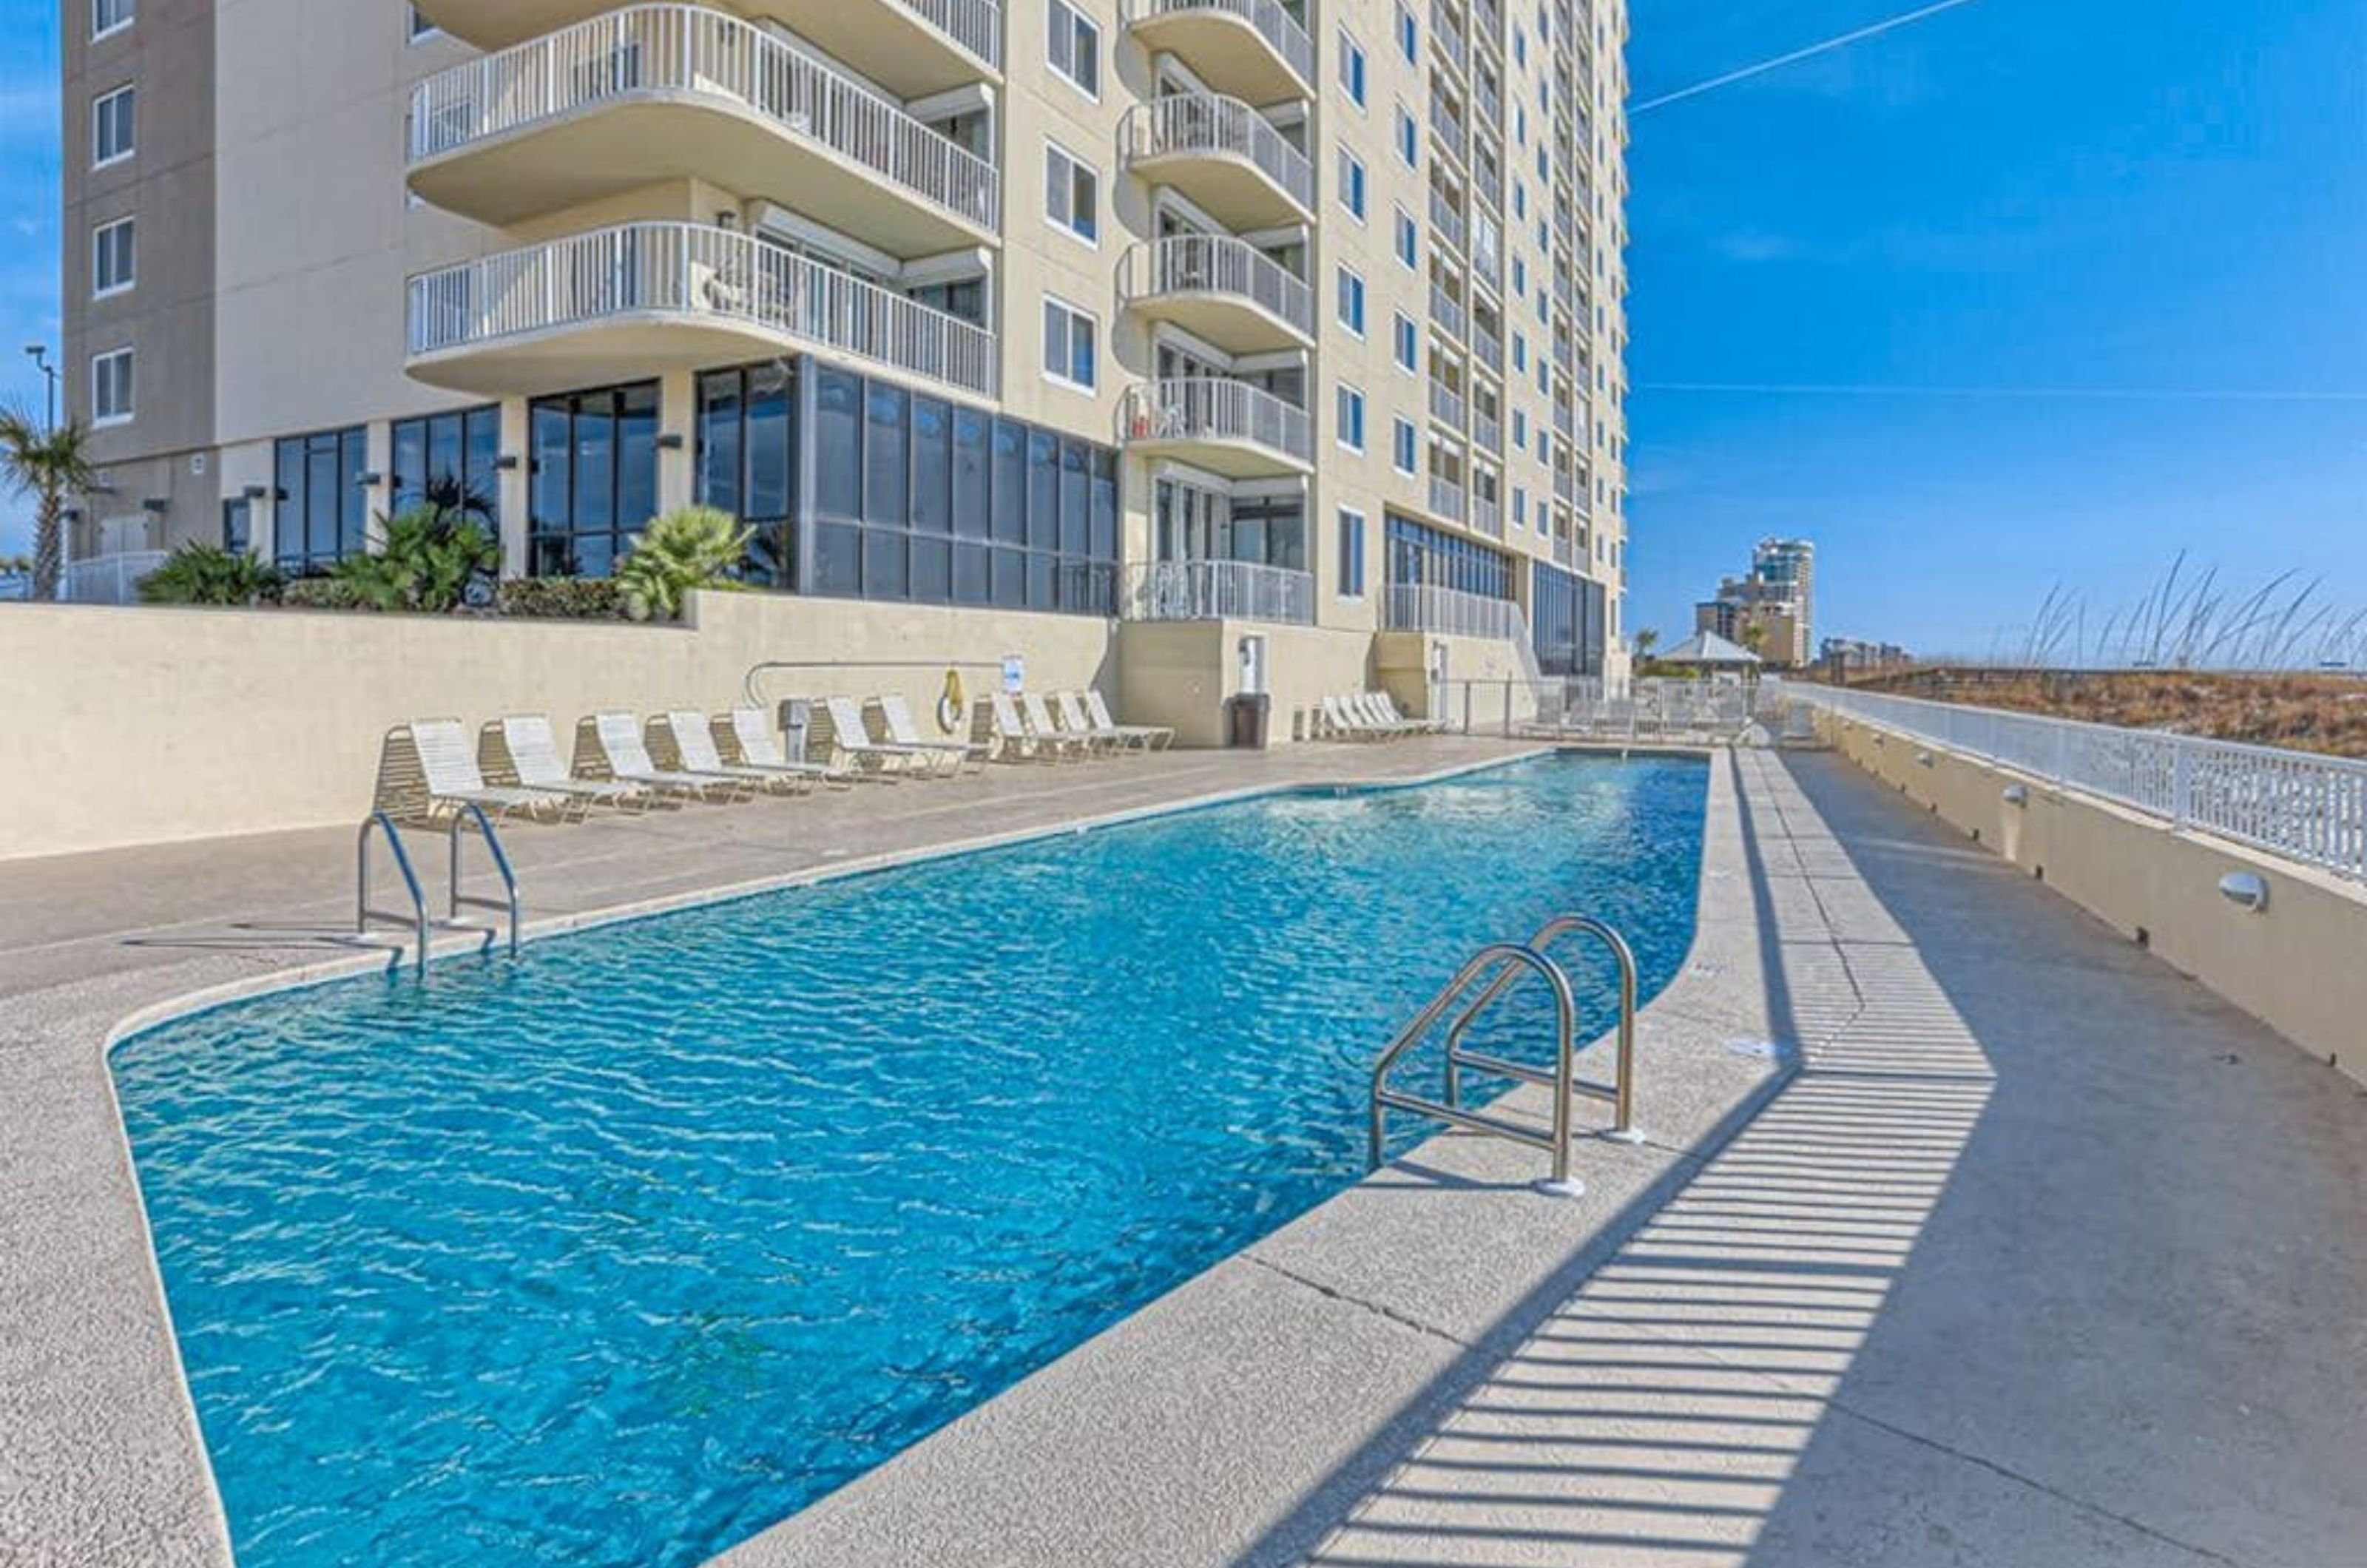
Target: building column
515,485
677,417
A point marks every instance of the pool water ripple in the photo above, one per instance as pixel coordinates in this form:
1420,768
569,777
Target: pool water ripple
621,1253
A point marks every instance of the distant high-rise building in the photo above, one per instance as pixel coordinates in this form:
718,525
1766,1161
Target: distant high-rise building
1773,610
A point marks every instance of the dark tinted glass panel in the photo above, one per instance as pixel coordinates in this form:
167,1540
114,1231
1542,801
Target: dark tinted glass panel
721,457
1010,481
1076,499
884,571
1008,581
771,462
885,484
970,574
1104,540
838,559
1041,569
637,458
838,444
973,497
1043,489
933,569
932,458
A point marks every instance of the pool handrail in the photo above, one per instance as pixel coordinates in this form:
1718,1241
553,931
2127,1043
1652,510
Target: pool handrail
1620,1093
416,920
1498,960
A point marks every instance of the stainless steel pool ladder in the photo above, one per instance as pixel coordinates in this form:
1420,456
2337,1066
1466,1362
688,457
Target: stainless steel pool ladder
1499,966
415,919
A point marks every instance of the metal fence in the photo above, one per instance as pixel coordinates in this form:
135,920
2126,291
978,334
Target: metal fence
2305,807
1218,591
109,579
1587,708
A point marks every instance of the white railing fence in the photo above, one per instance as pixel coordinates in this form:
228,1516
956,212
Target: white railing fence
1587,708
691,269
1218,263
1275,25
109,579
702,54
1213,408
2300,804
1450,611
1213,123
1218,591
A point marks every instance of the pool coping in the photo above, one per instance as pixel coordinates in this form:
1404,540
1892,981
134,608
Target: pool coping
1722,800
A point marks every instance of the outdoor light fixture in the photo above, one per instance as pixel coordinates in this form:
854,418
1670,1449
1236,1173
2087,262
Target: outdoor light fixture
1925,758
157,503
2249,889
2017,794
671,440
507,462
255,492
367,479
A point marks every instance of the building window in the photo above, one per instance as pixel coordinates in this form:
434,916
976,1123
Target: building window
321,515
111,16
114,258
1351,418
1402,451
1418,552
1520,430
1351,554
1352,68
595,477
1074,47
448,462
113,116
747,461
238,525
1409,239
1351,285
1408,341
1409,139
1069,344
1409,37
110,386
1352,184
1071,193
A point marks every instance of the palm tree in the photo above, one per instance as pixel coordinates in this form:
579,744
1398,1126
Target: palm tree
51,464
1646,642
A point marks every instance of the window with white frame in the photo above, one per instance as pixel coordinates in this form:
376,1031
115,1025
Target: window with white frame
1408,341
1071,193
1349,418
1351,285
113,122
1409,37
1409,239
1074,47
114,258
1409,139
1402,446
1351,553
1070,344
1352,68
110,386
111,16
1352,184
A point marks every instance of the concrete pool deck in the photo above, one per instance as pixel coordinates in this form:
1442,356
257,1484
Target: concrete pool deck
2044,1255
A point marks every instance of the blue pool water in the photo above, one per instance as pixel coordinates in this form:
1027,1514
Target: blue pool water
618,1254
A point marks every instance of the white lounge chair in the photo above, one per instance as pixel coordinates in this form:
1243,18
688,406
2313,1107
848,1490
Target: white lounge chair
532,748
757,745
615,738
1069,710
1385,708
1038,717
1014,741
852,740
1149,737
448,765
694,743
951,755
1341,722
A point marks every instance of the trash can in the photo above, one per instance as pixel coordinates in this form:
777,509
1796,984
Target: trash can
1246,719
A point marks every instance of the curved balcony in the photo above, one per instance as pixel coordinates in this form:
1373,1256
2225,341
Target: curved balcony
1224,156
1227,427
1223,290
910,47
662,92
1253,47
622,303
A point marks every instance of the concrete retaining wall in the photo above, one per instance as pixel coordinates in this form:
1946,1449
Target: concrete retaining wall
2300,965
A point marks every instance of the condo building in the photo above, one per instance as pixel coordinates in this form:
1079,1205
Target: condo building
1771,609
1236,312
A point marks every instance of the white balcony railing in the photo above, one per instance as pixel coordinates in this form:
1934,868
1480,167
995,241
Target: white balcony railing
1448,312
1218,591
1446,30
1218,263
109,579
1488,347
1445,218
1487,512
687,270
2302,806
1210,124
975,25
1486,431
1277,26
689,51
1446,404
1450,611
1213,408
1446,497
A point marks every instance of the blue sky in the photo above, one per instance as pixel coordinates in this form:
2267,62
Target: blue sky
2093,268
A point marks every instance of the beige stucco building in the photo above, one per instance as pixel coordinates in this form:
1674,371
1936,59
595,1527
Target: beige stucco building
1148,310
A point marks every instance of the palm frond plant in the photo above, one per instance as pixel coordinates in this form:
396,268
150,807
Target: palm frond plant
52,465
686,550
208,574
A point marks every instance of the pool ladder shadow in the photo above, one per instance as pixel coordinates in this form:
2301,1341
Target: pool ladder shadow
414,918
1484,979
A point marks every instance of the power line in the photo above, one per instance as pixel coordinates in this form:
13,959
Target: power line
1890,25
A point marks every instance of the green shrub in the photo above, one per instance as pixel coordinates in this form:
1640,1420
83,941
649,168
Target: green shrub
433,559
318,593
692,548
561,598
208,574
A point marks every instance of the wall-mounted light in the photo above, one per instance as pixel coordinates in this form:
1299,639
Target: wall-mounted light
71,514
507,462
367,480
671,440
2249,889
1925,758
2017,794
157,503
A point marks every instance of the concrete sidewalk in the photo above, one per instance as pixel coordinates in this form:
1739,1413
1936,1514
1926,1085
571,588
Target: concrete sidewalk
2047,1257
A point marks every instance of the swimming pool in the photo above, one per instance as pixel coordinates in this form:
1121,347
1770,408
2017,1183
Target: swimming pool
619,1253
